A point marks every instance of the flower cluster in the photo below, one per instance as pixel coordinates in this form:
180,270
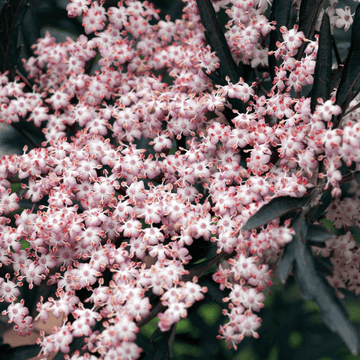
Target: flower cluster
109,206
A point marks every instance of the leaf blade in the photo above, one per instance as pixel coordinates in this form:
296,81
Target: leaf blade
287,260
349,83
313,287
217,41
309,13
11,16
275,208
322,76
280,12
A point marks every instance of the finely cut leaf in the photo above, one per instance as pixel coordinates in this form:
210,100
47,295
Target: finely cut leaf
313,287
322,76
309,13
349,83
274,209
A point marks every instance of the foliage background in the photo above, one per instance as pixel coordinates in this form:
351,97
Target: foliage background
291,327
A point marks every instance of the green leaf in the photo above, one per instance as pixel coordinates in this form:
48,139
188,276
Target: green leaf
330,226
15,187
275,208
322,76
309,13
150,328
24,244
313,287
349,83
210,313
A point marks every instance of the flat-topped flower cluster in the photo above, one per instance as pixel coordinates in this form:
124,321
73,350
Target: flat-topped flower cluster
113,204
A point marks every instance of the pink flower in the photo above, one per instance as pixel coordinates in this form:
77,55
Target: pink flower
344,18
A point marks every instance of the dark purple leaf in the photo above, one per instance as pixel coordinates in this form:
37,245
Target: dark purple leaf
11,16
286,262
274,209
19,352
163,351
309,13
357,177
349,84
280,12
316,234
324,203
322,76
216,39
214,291
314,288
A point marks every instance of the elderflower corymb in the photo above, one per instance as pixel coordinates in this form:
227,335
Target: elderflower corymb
146,159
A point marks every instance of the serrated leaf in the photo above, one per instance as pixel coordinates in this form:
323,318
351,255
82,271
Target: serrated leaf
314,288
281,13
286,262
349,83
275,208
11,16
309,13
322,76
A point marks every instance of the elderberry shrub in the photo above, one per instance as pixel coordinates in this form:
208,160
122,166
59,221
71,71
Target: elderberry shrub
189,149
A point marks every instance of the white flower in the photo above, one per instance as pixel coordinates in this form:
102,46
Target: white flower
344,18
